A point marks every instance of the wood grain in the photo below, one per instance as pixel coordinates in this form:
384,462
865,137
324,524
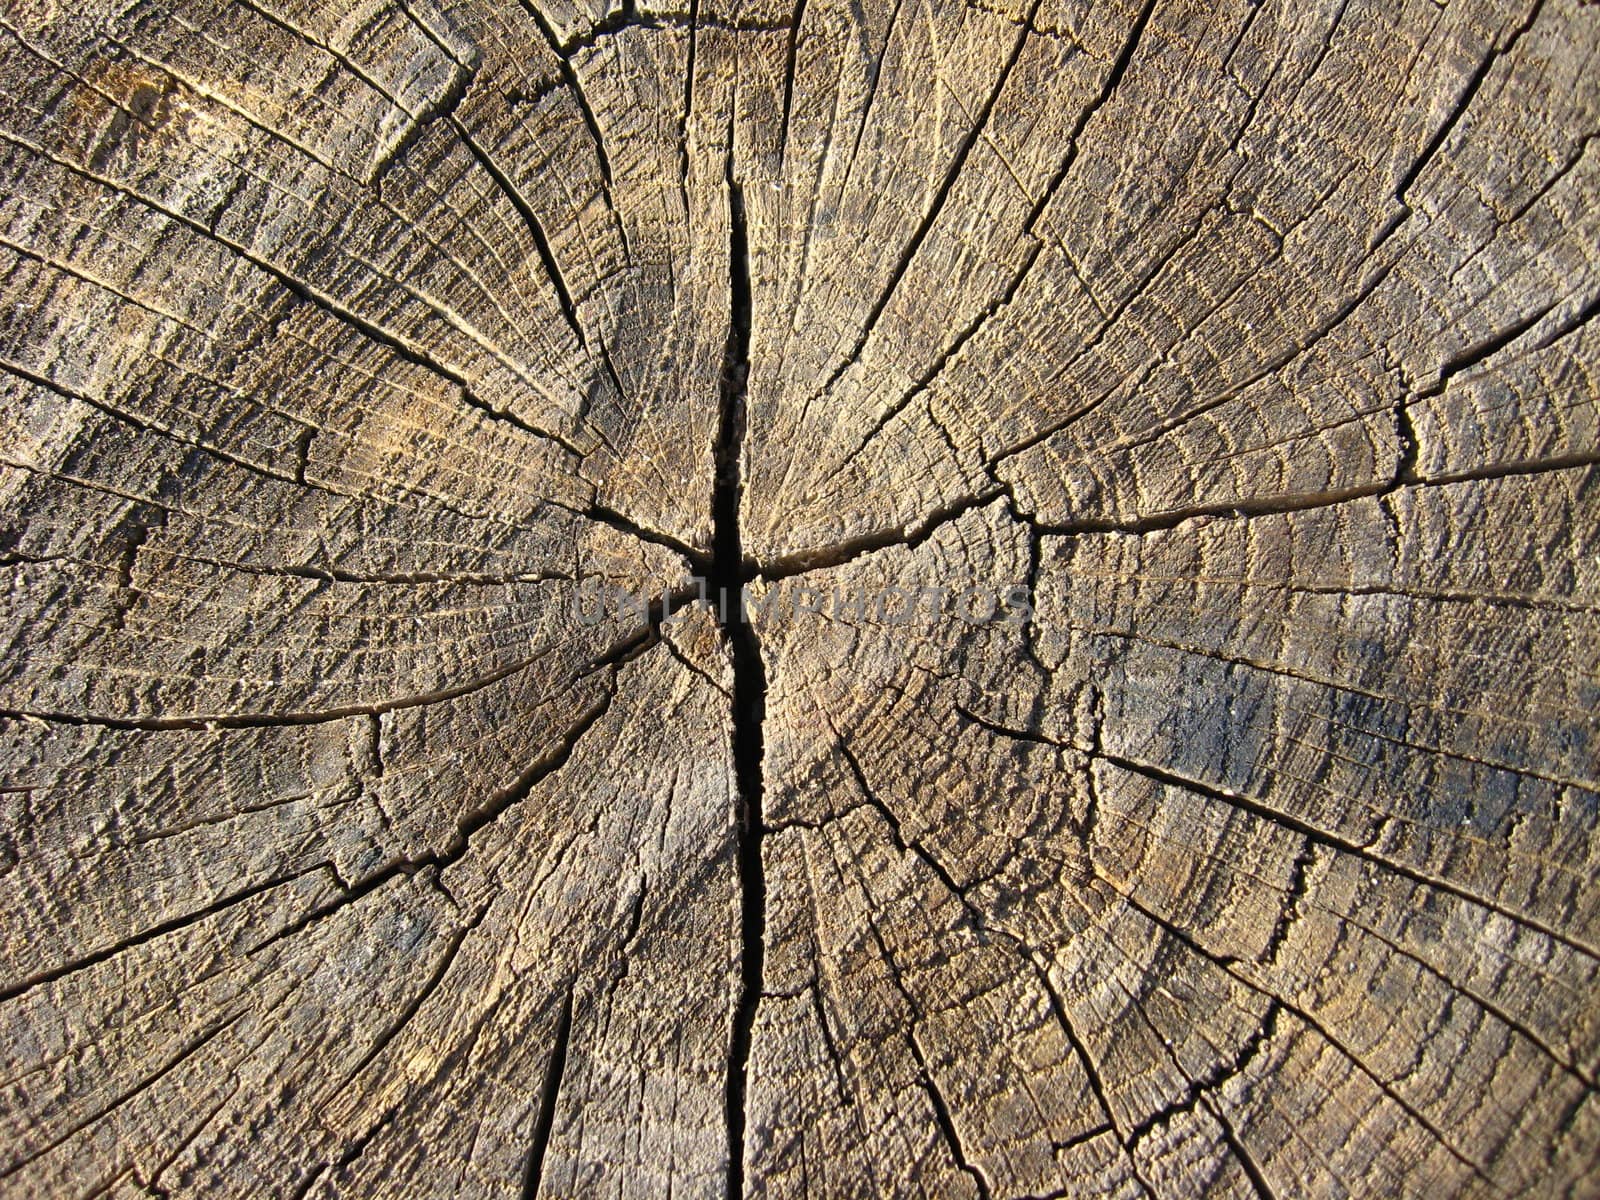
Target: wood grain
1213,389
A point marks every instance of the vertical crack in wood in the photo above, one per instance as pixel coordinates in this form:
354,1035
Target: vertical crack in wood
143,520
548,1093
729,574
1463,101
688,107
942,1118
936,205
791,58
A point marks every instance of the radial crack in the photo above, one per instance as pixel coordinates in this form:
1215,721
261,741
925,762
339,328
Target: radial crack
749,676
555,1069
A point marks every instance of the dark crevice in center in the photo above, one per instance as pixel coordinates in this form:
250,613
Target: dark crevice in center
549,1092
728,575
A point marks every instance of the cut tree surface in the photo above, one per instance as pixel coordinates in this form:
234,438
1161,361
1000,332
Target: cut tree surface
1159,440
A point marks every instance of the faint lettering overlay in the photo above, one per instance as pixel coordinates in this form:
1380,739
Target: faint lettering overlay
596,600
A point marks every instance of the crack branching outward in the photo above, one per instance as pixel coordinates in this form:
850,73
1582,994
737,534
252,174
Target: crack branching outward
728,575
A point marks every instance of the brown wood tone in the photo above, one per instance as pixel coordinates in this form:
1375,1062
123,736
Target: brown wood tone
1157,441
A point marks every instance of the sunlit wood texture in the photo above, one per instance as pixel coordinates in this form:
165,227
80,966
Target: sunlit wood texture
338,341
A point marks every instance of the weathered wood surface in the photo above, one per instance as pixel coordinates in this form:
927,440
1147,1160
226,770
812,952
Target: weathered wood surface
337,342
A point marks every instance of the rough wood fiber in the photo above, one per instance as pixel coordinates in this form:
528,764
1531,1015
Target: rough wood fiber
338,342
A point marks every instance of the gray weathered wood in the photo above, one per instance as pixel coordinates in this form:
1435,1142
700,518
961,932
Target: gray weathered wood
1255,342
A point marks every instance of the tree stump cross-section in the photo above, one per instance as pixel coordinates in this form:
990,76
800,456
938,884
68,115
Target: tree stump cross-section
1139,462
